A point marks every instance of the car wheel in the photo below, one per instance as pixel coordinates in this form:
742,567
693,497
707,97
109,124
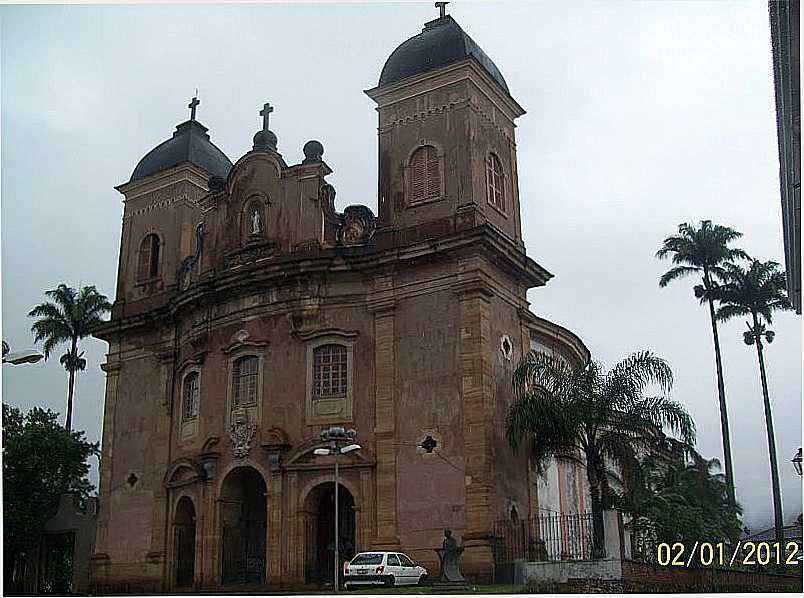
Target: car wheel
389,581
422,579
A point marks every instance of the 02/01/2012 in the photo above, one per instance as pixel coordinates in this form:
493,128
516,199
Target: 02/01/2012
722,554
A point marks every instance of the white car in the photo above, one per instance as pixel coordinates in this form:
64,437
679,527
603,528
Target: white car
388,568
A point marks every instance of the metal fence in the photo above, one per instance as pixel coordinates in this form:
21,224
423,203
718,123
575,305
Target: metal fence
554,537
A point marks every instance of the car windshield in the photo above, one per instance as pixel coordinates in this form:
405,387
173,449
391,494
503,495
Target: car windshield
367,558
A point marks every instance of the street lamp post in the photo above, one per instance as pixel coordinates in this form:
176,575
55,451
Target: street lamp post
797,462
336,437
20,357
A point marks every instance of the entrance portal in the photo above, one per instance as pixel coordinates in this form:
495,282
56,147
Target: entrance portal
184,542
243,525
319,558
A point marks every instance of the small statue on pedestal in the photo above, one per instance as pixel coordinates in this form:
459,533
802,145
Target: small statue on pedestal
450,576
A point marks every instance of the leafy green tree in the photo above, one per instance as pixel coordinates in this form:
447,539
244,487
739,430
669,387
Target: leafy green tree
41,461
678,497
704,251
69,317
757,292
603,416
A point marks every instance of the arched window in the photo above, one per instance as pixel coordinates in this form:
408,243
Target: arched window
190,396
330,371
495,191
148,265
244,381
425,174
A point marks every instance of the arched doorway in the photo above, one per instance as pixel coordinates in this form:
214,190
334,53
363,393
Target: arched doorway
319,541
184,542
243,524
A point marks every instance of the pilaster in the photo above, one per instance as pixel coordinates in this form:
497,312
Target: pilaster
161,448
382,305
477,393
274,551
295,556
112,369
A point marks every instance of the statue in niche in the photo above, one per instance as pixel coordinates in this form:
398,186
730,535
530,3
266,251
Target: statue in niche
256,222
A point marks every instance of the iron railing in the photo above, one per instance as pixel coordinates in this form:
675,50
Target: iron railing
553,537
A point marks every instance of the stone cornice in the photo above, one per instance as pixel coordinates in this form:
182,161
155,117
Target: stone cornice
184,172
308,335
545,328
462,70
286,269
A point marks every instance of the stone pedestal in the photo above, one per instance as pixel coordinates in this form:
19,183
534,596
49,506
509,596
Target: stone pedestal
450,577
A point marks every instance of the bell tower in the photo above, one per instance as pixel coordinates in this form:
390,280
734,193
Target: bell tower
447,155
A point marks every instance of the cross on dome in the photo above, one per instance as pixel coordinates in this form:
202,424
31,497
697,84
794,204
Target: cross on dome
266,113
192,105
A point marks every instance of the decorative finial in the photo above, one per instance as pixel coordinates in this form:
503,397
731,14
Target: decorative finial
266,113
195,101
442,9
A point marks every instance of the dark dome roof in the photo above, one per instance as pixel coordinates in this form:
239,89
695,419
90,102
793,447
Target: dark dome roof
441,42
190,143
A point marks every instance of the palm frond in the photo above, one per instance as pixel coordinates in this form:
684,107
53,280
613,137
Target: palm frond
677,272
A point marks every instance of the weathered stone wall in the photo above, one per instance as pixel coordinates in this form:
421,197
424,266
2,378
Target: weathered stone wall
646,577
599,577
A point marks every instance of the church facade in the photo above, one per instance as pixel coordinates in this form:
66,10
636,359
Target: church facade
250,314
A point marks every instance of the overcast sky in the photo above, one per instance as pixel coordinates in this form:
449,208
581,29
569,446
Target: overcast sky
639,116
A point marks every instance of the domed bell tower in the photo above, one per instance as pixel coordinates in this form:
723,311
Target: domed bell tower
447,156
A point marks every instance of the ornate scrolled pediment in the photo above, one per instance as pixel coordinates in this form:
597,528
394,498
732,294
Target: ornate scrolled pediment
358,226
355,226
182,473
241,340
275,440
302,457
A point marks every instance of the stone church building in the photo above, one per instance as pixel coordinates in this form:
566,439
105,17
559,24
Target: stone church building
250,314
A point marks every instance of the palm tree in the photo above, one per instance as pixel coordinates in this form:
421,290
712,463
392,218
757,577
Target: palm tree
757,291
69,317
682,498
604,416
705,251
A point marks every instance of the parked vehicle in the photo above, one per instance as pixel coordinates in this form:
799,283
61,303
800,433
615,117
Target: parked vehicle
388,568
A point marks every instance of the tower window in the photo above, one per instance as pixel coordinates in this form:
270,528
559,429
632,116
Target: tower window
244,381
148,265
190,397
329,372
495,190
425,174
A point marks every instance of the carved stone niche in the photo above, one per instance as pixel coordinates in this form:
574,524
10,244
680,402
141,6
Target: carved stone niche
275,443
209,457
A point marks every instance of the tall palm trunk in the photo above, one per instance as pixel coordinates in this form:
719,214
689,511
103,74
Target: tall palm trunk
721,392
595,489
777,497
73,350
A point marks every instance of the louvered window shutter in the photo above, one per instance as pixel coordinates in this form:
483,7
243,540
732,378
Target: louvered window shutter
144,264
153,269
433,174
495,192
425,174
